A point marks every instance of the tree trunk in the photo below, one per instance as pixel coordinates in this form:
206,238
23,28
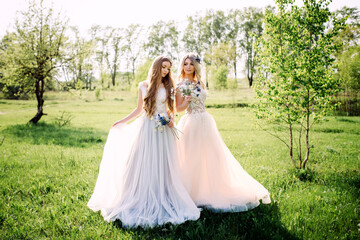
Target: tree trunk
235,71
250,78
39,91
291,143
207,76
249,72
113,76
133,70
307,133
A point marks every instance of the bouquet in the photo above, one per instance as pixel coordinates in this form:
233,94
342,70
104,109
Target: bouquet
190,89
161,120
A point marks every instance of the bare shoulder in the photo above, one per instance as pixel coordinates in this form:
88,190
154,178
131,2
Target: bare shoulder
143,84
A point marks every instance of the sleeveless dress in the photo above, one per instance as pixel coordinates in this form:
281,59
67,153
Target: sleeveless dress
139,181
211,174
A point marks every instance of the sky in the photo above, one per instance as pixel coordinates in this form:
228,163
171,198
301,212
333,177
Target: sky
122,13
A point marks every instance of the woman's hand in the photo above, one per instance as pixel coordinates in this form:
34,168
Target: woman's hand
188,99
171,123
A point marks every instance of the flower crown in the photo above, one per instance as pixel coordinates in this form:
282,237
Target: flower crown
198,59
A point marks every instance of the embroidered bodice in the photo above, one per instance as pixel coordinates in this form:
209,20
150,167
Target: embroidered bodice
197,104
160,97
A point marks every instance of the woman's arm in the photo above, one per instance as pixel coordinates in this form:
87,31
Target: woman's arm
135,112
181,103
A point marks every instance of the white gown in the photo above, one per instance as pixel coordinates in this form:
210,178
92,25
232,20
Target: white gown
211,174
139,180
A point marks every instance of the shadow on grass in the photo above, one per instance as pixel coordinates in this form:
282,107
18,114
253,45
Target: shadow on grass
262,222
347,181
44,133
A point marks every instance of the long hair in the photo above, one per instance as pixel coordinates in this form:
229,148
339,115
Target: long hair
195,59
155,79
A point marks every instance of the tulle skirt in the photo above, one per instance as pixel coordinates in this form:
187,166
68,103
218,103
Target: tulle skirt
211,174
139,180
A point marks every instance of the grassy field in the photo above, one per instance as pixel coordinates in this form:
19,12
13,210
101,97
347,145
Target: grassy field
48,172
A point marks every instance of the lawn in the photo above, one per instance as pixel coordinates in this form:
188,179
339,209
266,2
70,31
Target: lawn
48,172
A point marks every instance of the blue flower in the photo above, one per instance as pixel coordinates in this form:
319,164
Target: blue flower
163,122
198,59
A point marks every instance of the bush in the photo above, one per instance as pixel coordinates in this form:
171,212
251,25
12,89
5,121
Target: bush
98,93
221,77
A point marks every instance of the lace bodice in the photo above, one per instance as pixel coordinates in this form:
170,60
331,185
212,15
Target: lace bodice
197,104
160,97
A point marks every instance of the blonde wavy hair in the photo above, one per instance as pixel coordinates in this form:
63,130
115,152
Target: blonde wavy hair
154,80
195,59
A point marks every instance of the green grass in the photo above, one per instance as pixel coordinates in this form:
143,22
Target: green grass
48,172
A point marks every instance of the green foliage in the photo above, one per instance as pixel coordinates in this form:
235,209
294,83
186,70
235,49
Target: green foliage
348,56
98,93
34,52
297,82
163,40
349,68
142,73
64,119
133,45
221,54
252,27
79,66
221,77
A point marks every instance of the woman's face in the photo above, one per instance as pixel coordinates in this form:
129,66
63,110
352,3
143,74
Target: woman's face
189,68
165,69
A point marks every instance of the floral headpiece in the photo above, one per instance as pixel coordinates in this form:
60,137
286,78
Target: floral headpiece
198,59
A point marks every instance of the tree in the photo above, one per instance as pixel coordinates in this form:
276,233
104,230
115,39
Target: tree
252,20
193,35
220,55
113,57
221,77
162,39
233,35
35,52
132,46
11,89
142,73
348,55
204,32
296,62
101,37
78,67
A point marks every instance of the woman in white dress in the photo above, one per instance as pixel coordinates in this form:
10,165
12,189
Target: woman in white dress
139,181
211,174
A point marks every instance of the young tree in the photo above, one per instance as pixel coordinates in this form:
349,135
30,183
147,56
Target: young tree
132,46
101,37
348,55
296,80
34,53
77,67
113,57
234,24
220,55
162,39
252,29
